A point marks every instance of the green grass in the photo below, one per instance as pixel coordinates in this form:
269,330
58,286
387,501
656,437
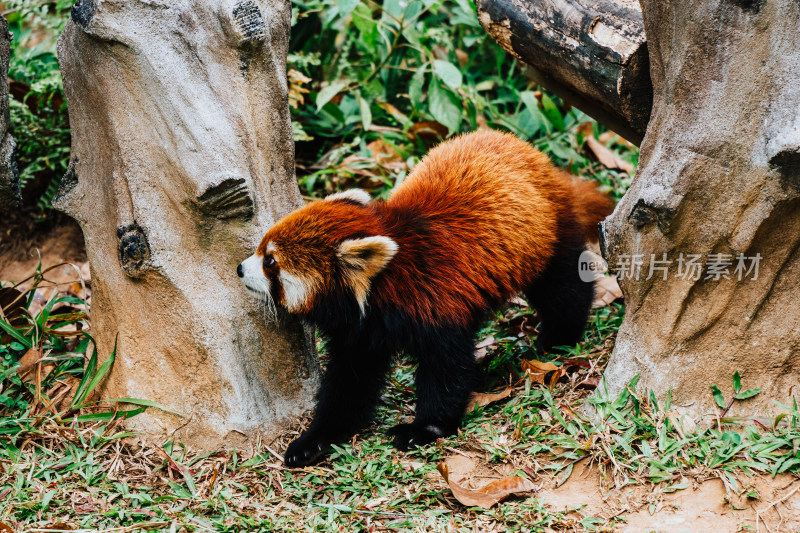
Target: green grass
59,472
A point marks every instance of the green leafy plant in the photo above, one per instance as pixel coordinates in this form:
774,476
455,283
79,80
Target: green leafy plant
49,362
38,113
400,76
738,394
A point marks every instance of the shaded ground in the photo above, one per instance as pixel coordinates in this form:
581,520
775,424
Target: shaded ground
23,243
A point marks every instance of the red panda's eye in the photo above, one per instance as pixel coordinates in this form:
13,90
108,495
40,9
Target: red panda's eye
269,261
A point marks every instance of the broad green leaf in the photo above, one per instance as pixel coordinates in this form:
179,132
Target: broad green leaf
366,113
8,328
552,113
328,92
90,378
538,121
415,87
444,107
719,399
448,73
749,393
346,6
737,382
362,20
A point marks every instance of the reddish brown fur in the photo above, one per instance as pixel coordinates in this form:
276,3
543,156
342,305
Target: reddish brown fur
476,221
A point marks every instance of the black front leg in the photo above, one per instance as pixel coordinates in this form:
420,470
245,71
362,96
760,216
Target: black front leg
346,400
446,378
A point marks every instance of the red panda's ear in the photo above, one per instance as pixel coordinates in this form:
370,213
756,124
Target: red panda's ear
360,196
362,259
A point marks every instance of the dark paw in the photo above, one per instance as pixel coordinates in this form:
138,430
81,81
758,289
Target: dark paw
307,449
408,435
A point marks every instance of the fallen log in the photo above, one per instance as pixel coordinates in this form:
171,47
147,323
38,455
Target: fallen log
592,53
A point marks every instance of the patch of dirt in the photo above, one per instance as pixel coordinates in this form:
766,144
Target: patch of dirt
60,241
707,506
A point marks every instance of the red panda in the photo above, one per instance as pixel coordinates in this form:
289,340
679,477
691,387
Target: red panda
482,217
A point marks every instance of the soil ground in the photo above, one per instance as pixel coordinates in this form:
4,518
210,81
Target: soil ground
23,244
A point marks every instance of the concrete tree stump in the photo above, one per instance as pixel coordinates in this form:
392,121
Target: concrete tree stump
182,156
719,173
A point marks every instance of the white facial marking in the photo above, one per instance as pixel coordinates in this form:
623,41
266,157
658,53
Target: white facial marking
297,290
257,283
354,195
254,278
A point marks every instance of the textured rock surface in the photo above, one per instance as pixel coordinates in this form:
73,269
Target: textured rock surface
593,53
9,178
182,155
719,174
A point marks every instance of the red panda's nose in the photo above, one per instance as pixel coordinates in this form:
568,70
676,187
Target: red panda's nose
240,270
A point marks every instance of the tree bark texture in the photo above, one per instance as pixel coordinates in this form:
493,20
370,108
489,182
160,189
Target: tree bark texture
592,53
182,155
719,173
9,177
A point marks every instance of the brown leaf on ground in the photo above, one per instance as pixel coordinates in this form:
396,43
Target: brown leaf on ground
383,155
523,325
6,527
463,57
606,157
608,136
27,362
589,383
489,494
606,290
429,132
63,392
538,372
483,399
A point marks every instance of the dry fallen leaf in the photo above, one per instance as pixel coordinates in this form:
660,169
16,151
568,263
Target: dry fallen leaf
428,131
606,157
483,399
606,290
489,494
608,136
589,383
538,371
27,362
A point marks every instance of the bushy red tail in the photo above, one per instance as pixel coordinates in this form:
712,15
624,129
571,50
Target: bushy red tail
591,206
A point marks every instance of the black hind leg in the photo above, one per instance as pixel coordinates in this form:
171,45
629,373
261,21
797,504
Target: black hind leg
562,300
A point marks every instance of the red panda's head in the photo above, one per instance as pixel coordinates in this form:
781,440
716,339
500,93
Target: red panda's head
330,245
